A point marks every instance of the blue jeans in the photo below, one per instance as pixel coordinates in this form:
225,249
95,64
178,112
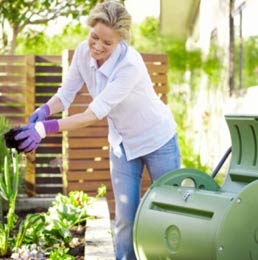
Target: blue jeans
126,181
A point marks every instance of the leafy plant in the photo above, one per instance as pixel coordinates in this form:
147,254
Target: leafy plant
61,253
30,230
55,235
8,191
50,230
4,127
71,210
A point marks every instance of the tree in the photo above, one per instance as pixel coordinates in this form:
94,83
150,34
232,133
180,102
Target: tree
15,15
231,47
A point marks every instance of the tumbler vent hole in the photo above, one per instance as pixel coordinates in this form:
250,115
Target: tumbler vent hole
188,182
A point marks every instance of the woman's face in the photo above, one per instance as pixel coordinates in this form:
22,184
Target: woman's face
102,41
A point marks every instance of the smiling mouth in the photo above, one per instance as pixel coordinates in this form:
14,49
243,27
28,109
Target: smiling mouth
98,52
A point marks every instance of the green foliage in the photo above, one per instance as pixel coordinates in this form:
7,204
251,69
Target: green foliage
184,73
40,43
191,160
68,211
4,151
51,227
250,63
8,191
4,127
29,230
71,210
50,230
149,27
61,253
19,14
148,39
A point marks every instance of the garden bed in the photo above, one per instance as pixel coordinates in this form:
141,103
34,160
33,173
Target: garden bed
77,245
27,206
91,241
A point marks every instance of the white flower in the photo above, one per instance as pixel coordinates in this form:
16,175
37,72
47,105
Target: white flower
15,256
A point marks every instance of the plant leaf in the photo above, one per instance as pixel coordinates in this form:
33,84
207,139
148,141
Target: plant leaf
3,191
15,176
7,177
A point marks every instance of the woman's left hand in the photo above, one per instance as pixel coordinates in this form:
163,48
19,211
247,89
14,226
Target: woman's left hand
31,138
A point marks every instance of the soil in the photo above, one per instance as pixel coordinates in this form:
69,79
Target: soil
77,245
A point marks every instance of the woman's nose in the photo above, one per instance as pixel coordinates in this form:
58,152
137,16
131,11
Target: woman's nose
98,45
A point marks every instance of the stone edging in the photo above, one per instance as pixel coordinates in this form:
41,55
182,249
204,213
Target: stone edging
98,236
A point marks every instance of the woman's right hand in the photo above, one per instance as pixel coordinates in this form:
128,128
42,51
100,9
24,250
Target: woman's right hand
40,114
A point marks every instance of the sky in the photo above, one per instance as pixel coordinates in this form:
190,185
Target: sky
139,9
250,19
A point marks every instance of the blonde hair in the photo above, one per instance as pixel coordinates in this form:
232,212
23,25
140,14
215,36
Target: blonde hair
113,15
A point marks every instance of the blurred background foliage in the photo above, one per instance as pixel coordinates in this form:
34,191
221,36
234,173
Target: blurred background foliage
185,68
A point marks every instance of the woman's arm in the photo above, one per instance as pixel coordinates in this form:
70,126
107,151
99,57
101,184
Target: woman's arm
77,121
32,134
55,105
71,122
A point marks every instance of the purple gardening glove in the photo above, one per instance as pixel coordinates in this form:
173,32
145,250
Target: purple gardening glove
32,134
40,114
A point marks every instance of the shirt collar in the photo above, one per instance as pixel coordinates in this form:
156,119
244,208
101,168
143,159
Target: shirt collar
93,63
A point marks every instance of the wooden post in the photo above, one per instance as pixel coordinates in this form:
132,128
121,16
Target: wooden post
30,178
65,66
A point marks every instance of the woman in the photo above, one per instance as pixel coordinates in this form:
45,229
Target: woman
142,130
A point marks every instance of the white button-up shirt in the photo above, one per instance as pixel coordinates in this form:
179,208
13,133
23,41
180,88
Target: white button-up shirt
122,91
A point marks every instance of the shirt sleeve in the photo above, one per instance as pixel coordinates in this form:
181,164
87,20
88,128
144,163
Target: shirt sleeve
116,90
72,83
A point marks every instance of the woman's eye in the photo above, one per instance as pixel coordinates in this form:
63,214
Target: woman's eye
94,37
108,43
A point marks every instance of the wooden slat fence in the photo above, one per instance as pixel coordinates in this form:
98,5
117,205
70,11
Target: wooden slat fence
88,149
14,84
17,97
48,161
76,159
27,81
